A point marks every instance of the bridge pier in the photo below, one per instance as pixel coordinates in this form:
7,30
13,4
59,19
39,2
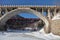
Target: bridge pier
47,29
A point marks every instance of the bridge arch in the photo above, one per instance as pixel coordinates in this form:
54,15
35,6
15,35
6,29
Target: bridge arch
12,13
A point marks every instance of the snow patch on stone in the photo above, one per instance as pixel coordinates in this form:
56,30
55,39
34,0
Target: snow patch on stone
56,16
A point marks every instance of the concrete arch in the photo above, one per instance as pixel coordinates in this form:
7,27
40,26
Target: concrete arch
12,13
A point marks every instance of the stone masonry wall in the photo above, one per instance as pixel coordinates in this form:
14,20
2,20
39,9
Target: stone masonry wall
55,27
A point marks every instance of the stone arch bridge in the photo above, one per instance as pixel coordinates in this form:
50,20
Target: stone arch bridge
38,11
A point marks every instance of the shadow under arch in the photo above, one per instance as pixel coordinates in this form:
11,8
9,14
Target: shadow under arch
12,13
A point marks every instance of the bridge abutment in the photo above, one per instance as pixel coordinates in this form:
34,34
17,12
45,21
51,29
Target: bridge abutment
55,27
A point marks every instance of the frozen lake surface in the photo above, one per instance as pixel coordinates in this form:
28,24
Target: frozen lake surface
39,35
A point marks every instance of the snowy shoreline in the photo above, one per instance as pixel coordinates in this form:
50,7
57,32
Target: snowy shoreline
38,35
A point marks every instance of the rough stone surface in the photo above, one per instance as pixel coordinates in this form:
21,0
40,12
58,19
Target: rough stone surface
55,27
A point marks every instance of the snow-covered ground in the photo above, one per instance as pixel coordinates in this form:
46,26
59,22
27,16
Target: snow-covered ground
57,16
39,35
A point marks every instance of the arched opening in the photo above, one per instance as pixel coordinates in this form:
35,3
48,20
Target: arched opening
10,14
24,22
